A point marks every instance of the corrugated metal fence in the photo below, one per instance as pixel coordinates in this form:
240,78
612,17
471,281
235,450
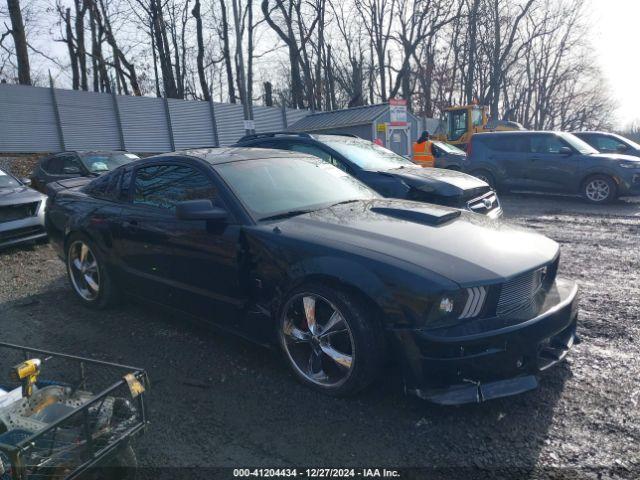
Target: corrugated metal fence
35,119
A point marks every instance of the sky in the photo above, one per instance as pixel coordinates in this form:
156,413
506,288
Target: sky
616,27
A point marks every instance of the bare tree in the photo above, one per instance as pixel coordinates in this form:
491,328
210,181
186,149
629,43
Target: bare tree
226,50
501,41
295,33
204,86
120,59
20,41
245,99
377,17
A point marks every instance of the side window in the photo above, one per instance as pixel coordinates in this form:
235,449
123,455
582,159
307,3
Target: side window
163,186
546,144
65,164
509,143
317,152
458,121
310,150
53,166
476,117
588,139
609,144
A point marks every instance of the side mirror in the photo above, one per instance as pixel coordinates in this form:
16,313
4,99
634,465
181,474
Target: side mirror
622,148
200,210
565,151
26,181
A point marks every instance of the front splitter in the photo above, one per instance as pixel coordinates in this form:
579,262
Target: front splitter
477,392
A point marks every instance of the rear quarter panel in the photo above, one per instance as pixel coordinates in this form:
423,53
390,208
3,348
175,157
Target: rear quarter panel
480,159
72,211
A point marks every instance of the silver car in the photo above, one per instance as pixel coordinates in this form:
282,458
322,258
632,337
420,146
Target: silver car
21,211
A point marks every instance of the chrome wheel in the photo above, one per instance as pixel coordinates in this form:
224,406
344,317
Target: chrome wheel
317,340
84,271
597,190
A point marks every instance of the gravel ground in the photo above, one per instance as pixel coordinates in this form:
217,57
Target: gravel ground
219,401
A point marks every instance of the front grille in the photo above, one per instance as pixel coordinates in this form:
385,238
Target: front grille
520,293
20,233
9,213
484,204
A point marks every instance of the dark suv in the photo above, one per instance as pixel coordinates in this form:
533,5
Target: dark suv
606,142
386,172
552,162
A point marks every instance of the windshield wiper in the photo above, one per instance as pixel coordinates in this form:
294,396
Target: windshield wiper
289,214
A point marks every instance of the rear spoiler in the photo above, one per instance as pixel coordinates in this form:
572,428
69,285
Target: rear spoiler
53,188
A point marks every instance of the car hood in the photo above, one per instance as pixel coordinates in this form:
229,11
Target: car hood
465,248
448,183
21,194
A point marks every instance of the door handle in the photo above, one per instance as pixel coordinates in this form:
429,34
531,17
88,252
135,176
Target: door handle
535,159
130,223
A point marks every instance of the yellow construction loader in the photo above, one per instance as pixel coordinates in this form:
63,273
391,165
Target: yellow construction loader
461,122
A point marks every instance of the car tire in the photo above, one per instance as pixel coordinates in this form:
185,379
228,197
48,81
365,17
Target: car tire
599,189
330,339
485,176
90,279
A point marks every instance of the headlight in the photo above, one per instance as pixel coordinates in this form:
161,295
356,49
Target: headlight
454,307
630,165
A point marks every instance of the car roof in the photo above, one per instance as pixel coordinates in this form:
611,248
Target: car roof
285,136
88,152
515,133
595,132
329,137
216,156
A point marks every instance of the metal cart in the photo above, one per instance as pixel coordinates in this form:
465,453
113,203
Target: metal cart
68,415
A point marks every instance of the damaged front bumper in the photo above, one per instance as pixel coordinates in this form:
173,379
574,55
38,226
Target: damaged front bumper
458,369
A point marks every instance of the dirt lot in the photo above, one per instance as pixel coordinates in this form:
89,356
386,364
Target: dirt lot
218,401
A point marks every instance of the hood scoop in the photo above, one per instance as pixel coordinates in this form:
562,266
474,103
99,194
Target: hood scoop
423,215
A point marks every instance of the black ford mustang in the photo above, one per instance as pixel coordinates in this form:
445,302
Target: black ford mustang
283,248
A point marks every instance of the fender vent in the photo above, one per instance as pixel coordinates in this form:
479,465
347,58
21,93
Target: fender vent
475,301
